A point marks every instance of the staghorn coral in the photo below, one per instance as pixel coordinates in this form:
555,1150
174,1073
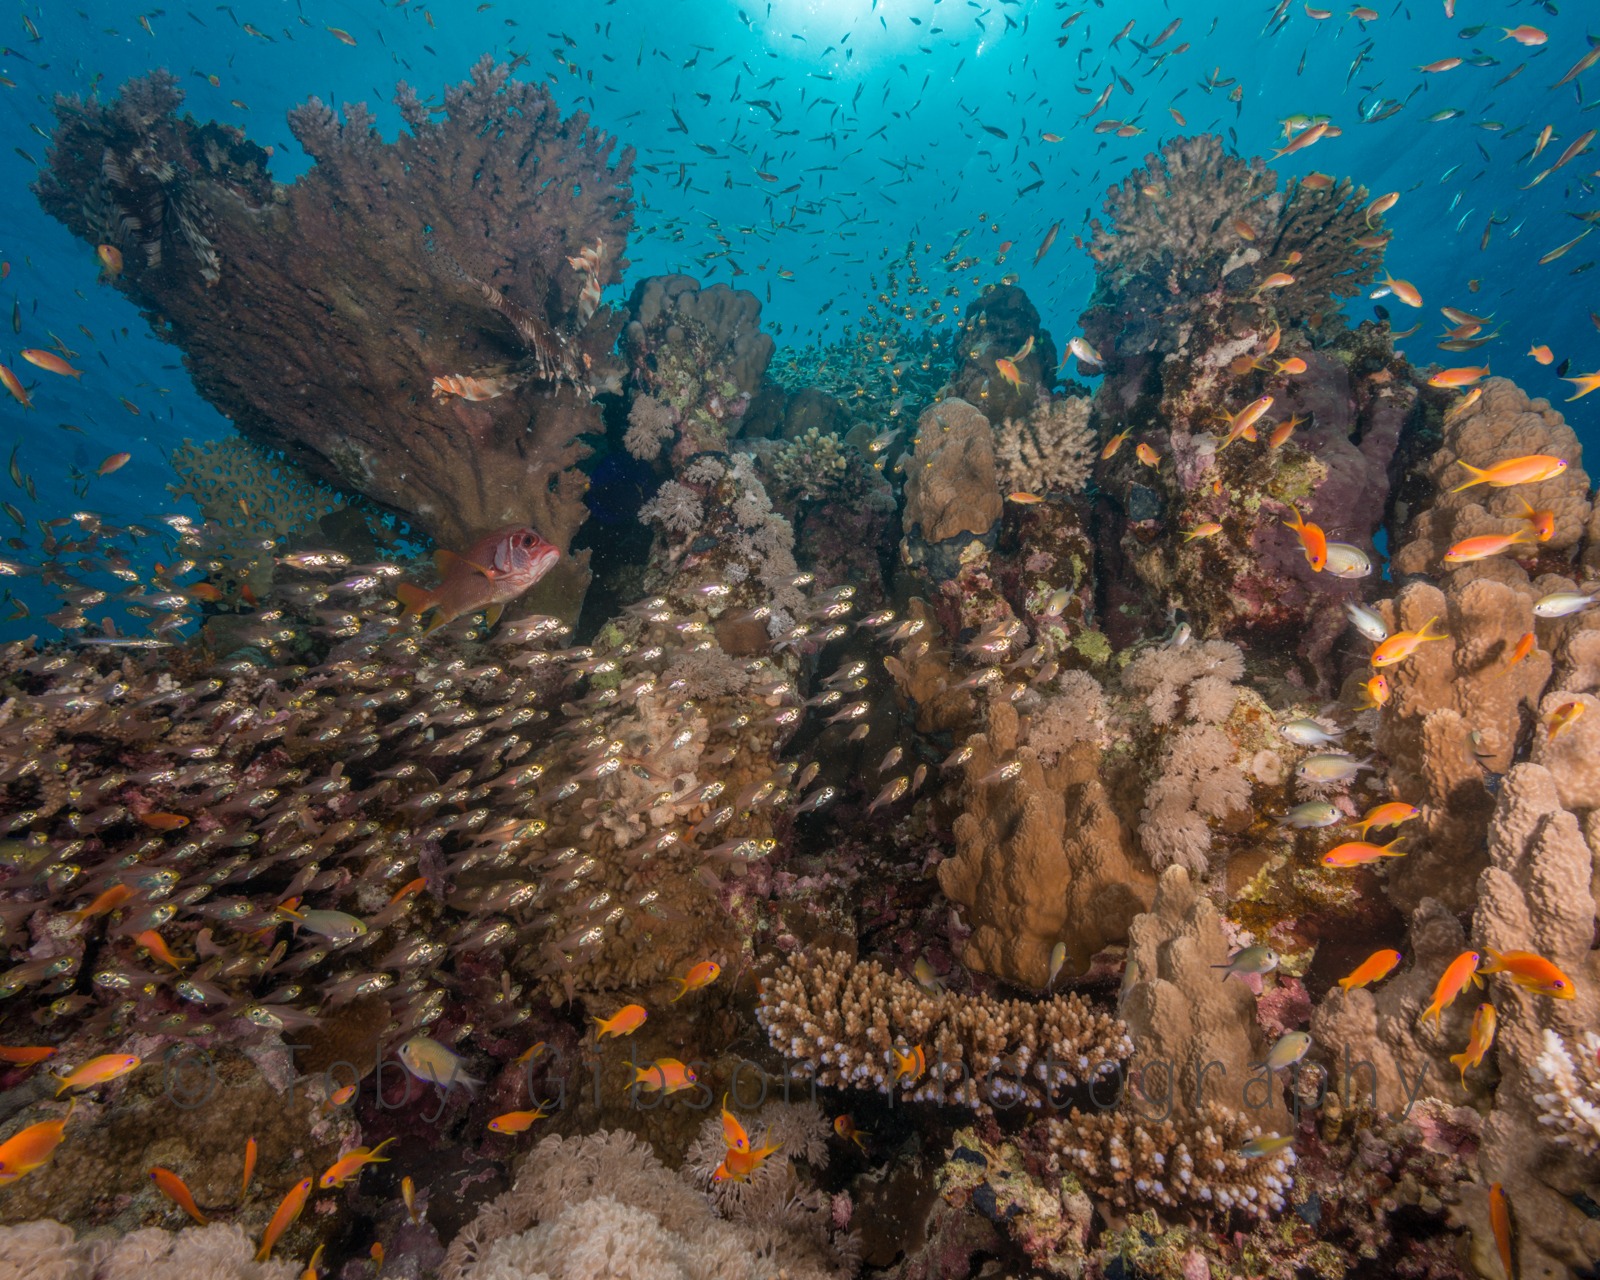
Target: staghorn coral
46,1250
1040,858
604,1206
1051,450
1191,1163
1570,1103
344,294
951,487
843,1020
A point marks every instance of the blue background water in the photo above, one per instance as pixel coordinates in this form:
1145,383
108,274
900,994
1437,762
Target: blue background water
884,108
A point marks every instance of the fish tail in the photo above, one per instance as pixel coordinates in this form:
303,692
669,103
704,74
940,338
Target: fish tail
1435,1011
1462,1061
417,600
683,990
1479,476
1427,632
1495,964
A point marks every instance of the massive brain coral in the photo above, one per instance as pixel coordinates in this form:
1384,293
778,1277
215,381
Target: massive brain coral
318,315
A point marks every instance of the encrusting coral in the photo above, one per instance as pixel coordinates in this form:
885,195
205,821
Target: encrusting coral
860,1026
394,241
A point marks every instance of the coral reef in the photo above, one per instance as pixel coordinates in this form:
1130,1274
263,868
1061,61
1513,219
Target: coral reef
698,352
444,254
850,1023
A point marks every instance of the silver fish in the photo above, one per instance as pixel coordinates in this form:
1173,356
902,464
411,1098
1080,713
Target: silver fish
1368,623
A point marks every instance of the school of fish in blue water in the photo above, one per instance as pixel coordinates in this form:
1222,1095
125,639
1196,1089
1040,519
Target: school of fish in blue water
813,639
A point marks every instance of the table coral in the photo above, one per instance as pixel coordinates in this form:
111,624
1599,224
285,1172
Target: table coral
316,315
844,1020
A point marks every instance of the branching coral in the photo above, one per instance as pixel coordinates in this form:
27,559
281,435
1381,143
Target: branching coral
1192,1162
1051,450
846,1022
650,425
812,466
447,252
604,1207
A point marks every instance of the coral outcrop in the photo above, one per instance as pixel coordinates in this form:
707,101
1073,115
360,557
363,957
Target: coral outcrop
46,1250
1041,857
951,485
320,317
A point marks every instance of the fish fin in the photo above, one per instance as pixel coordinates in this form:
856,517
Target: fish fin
443,560
491,615
417,600
1478,473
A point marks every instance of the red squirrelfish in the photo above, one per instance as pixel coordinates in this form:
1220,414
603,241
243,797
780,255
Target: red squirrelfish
492,572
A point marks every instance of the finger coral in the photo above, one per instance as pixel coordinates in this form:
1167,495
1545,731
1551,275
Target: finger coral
317,316
848,1023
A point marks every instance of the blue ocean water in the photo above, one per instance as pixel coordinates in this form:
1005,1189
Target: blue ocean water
879,124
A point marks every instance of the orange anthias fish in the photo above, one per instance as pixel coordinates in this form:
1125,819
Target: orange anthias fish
1007,370
1404,290
666,1074
25,1055
1532,972
156,945
517,1121
1463,377
1374,692
351,1164
108,900
742,1158
1486,545
1112,445
27,1149
19,393
1483,1024
493,572
1500,1217
249,1166
1525,646
845,1127
96,1071
1542,354
1559,720
50,362
1526,470
1374,968
702,975
1356,853
1243,423
1402,644
1543,523
287,1213
1389,814
1312,539
177,1191
1147,455
1462,970
909,1065
624,1022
